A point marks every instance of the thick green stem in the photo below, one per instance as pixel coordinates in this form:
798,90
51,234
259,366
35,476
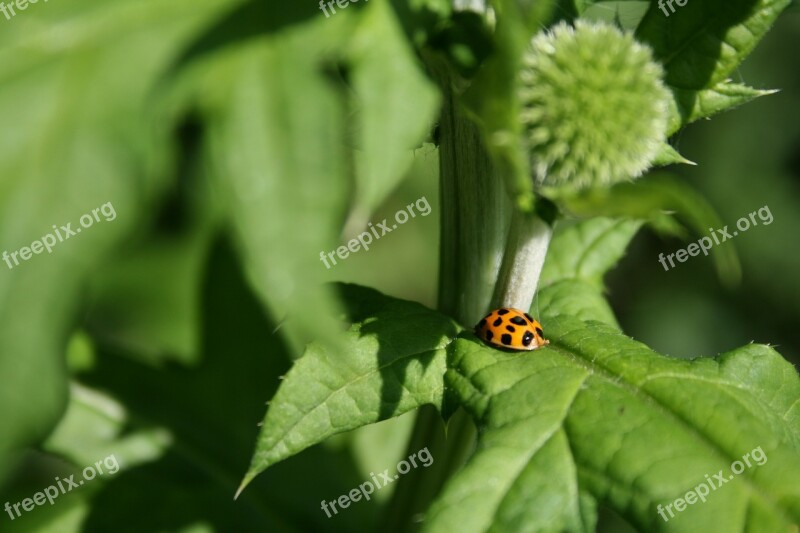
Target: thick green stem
476,212
528,239
476,216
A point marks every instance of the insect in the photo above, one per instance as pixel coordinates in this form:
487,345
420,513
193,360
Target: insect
511,328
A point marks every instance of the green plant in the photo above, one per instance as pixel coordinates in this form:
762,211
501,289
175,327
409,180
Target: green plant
596,419
253,135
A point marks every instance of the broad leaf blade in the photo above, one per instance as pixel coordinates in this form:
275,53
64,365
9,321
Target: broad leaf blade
390,363
276,141
597,403
396,107
703,42
579,256
81,137
189,437
587,250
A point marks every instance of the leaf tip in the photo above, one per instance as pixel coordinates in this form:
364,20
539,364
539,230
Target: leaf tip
245,482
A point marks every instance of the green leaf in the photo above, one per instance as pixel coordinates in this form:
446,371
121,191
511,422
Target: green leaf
391,362
653,199
670,156
81,138
146,298
190,436
587,250
689,106
596,418
627,14
396,107
579,256
576,298
703,42
279,133
276,126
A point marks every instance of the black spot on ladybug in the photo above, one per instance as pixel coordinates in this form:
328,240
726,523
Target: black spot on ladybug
529,317
527,338
502,311
488,335
481,323
540,332
506,338
511,329
497,322
518,320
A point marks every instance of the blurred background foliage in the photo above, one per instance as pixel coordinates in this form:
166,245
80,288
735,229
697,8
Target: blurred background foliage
159,336
746,159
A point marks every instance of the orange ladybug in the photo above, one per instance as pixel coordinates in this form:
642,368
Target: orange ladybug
511,328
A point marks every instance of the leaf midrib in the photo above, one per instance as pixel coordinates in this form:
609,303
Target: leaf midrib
622,382
346,385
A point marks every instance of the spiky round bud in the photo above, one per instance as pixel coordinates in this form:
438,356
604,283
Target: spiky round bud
593,106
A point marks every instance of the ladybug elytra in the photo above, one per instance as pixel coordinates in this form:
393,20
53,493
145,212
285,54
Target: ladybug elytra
511,328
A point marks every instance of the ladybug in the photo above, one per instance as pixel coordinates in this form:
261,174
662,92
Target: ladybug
511,328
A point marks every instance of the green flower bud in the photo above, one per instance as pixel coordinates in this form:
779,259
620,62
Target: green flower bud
594,108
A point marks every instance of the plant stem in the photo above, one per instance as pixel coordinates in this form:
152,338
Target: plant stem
528,239
475,211
476,216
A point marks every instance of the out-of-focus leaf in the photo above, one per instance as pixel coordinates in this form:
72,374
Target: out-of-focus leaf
79,140
248,20
654,198
36,472
147,300
396,107
185,434
627,14
393,104
586,418
276,127
279,146
391,362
